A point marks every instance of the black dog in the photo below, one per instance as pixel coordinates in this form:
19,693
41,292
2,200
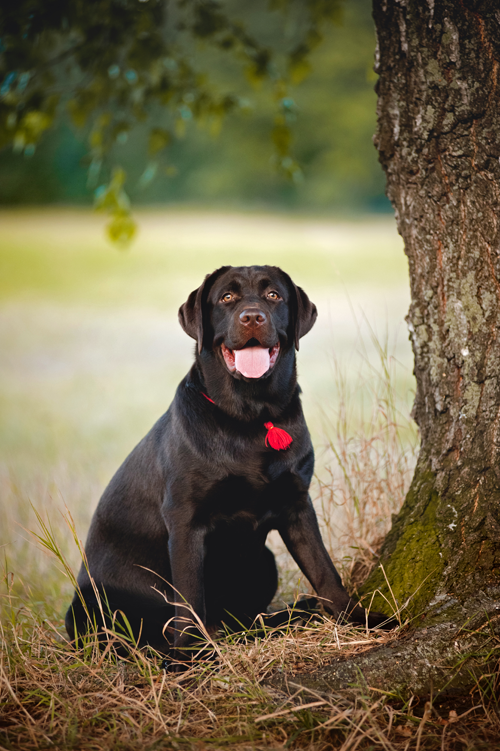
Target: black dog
231,460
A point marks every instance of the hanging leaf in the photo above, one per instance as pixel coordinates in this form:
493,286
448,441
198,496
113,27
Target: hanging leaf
112,199
159,138
148,174
121,229
282,138
298,70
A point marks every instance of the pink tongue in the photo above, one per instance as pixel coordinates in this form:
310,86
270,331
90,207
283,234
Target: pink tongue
252,362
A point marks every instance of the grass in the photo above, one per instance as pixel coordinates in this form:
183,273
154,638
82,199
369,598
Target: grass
53,697
91,356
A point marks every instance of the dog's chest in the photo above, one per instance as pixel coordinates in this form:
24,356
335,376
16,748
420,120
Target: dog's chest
247,502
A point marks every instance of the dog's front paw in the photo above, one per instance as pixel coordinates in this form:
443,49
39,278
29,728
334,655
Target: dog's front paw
379,620
371,619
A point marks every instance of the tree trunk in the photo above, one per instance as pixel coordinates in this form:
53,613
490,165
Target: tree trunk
438,139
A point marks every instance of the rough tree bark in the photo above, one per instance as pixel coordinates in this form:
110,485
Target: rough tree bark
438,139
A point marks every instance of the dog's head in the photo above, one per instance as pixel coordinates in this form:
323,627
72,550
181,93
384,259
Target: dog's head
248,316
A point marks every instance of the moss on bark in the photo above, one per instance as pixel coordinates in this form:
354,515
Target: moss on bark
412,561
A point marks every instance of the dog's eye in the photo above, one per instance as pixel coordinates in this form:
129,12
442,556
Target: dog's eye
227,297
273,295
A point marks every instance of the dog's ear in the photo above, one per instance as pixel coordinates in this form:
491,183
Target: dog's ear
306,315
304,312
193,314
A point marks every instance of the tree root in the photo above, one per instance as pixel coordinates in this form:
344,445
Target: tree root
443,659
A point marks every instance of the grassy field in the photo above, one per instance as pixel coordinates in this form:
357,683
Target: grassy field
91,353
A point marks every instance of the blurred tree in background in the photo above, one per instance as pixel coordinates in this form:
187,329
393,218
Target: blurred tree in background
188,100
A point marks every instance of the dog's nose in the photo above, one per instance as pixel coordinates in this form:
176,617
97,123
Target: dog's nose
253,317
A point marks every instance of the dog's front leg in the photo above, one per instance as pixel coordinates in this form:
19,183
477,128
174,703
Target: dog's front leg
187,554
300,532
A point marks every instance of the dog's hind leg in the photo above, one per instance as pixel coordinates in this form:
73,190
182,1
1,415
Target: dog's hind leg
235,595
129,620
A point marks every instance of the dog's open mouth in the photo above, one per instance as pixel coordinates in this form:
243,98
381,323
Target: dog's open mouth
251,362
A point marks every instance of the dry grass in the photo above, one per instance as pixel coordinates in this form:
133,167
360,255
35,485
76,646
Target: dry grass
372,446
54,697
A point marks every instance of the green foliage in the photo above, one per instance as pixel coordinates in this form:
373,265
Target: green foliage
114,64
112,199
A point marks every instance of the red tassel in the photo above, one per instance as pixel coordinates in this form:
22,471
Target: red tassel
277,438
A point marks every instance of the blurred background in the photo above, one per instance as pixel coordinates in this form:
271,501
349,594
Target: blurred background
90,348
230,164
